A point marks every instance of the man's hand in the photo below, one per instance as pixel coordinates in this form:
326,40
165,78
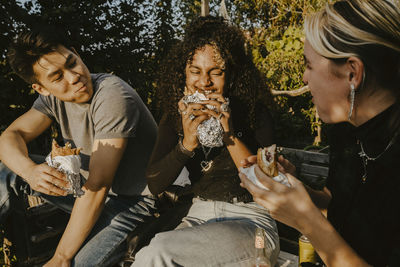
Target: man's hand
45,179
57,261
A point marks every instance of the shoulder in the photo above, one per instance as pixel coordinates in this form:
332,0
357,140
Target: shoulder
112,90
104,83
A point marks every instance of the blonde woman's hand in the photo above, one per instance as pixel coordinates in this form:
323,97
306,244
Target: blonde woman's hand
289,205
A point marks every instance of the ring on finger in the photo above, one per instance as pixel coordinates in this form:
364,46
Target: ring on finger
220,116
192,116
184,112
224,107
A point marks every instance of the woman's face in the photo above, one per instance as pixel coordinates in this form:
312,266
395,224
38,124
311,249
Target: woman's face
206,72
328,85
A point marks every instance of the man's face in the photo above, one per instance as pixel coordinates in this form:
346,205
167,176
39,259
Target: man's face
63,74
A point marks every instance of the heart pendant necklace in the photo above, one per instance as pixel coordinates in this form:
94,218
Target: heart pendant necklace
206,164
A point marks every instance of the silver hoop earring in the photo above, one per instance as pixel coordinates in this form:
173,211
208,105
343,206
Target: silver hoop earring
352,95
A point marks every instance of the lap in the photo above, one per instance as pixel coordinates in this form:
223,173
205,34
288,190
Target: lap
217,234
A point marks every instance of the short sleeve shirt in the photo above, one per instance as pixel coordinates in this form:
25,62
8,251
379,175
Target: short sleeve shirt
114,111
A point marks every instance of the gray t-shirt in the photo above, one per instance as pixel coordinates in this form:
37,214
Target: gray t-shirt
115,111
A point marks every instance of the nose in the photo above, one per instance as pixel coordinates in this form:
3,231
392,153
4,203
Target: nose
73,77
305,78
204,80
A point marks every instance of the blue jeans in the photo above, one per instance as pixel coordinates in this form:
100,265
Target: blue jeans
106,243
213,233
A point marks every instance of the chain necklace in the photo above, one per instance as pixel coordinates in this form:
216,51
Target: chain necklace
206,164
365,158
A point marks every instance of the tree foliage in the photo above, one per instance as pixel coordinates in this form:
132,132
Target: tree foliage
130,37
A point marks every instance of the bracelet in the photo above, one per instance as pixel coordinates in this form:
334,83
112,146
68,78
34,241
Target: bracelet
188,153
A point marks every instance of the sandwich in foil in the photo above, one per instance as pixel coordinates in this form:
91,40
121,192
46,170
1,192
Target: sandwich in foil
209,132
67,160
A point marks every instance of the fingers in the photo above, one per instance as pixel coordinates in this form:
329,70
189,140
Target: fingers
285,166
247,162
254,190
217,97
293,180
268,181
181,106
252,159
55,177
51,189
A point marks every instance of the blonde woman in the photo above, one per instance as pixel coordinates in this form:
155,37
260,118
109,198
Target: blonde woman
352,54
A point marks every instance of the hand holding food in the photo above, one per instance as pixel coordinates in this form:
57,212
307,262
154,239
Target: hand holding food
67,160
267,161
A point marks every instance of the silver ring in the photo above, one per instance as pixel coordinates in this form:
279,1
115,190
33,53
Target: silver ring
184,112
224,107
220,116
192,117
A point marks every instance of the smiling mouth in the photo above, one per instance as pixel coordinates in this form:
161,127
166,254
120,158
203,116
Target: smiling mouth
206,92
81,89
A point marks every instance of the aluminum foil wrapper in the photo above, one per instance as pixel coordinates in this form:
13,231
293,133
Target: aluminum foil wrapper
209,132
251,175
70,165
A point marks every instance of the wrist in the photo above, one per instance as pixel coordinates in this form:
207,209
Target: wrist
27,170
61,257
312,222
185,149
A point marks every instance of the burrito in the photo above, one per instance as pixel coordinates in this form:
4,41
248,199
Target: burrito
67,160
267,160
210,131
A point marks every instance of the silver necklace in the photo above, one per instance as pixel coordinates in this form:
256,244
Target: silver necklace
206,164
365,158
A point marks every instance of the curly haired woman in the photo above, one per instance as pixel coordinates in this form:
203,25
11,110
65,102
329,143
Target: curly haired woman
219,227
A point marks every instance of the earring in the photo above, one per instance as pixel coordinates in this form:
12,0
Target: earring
352,95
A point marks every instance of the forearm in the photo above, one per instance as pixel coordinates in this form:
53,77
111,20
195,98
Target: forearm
85,213
14,153
331,247
162,173
237,149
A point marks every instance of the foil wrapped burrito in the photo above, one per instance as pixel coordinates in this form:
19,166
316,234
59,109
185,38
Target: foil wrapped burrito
267,161
67,160
209,132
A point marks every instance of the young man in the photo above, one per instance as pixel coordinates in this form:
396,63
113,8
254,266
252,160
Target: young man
105,117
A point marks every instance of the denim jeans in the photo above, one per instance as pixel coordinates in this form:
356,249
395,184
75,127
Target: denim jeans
213,233
106,243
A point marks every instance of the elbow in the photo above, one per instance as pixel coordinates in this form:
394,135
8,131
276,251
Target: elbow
152,183
154,189
97,186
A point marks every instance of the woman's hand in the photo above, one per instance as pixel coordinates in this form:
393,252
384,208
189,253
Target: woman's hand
192,115
289,205
284,165
222,113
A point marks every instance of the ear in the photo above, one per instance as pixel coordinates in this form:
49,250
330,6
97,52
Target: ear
355,69
40,89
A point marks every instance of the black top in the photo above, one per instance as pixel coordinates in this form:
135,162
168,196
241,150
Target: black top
367,214
221,182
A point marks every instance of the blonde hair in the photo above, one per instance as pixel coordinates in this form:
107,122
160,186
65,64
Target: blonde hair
367,29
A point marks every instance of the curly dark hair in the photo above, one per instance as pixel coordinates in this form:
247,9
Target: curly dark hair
243,80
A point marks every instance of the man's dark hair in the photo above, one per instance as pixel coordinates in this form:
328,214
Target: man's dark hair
29,46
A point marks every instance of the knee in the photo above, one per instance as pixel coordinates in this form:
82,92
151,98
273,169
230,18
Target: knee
157,253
